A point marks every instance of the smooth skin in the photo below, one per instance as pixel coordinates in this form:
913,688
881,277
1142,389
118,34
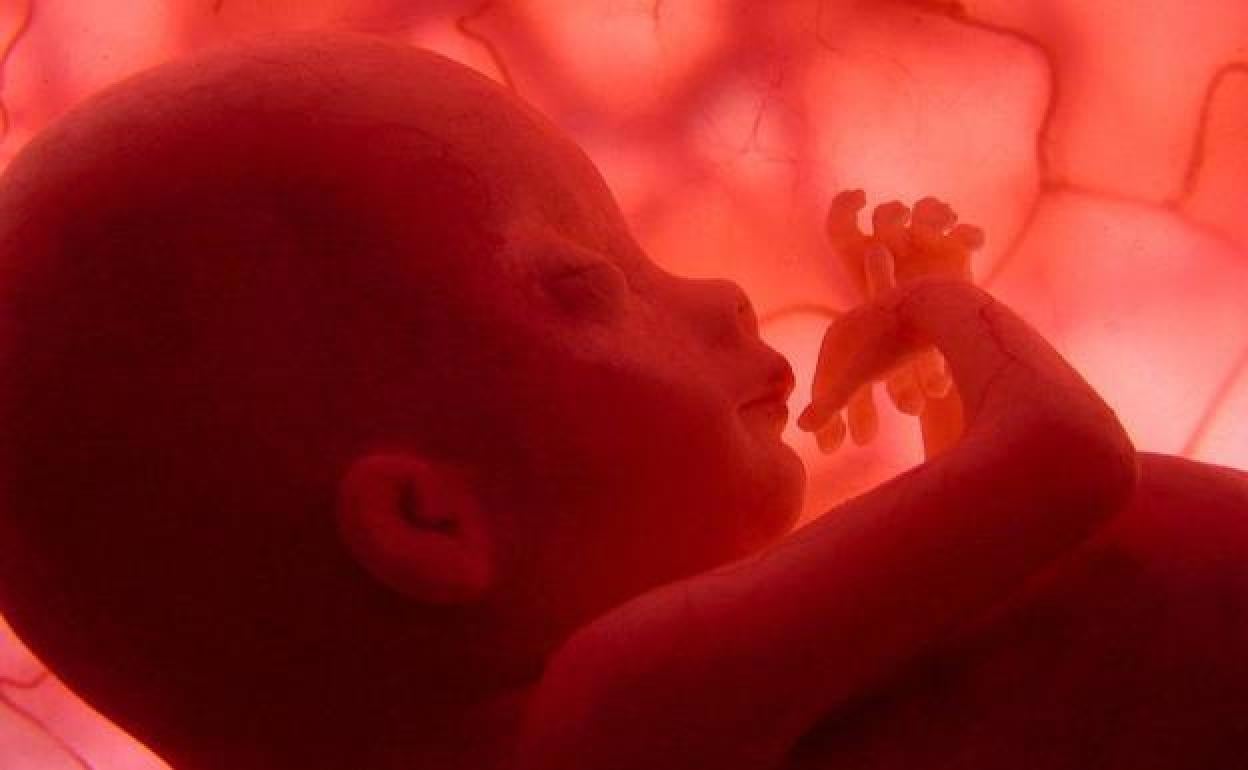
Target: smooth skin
350,360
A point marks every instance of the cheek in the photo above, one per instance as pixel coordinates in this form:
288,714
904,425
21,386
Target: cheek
649,418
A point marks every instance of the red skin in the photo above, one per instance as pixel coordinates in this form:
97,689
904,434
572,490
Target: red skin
608,412
738,665
1128,653
506,322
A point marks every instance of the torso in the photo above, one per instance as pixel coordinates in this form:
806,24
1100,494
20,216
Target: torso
1130,654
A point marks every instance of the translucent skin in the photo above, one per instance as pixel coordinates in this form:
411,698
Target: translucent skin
605,384
1127,653
1124,654
901,248
733,668
443,272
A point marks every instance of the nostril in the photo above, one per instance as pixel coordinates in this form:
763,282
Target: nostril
734,297
723,310
746,315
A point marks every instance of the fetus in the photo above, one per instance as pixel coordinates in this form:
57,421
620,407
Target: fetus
347,425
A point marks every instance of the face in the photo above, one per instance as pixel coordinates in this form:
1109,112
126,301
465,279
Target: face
623,423
634,416
659,385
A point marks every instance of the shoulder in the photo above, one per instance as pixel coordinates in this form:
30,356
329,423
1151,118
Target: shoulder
1129,649
1186,516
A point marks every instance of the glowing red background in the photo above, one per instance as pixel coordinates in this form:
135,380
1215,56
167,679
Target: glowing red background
1103,145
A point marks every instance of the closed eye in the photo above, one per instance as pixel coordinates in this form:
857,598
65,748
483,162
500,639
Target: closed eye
597,269
588,288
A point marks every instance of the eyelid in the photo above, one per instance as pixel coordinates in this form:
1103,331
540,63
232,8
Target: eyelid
585,266
588,288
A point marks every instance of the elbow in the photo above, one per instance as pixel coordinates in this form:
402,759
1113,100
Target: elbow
586,709
555,729
1092,467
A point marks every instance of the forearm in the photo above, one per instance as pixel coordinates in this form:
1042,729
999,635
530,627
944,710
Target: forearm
1042,463
875,582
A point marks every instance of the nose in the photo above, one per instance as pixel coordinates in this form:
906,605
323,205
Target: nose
729,314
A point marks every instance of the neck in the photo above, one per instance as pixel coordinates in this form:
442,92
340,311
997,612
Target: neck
479,736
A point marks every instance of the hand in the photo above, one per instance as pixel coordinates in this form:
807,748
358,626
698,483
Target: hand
902,248
858,348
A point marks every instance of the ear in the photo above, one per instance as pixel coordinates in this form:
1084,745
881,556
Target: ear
417,527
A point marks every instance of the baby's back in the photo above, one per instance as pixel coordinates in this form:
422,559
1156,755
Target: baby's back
1130,654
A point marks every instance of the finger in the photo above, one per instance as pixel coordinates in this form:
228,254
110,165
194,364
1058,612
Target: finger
961,241
857,348
889,216
830,437
832,384
889,225
969,237
933,215
941,424
903,388
841,223
932,373
879,268
863,421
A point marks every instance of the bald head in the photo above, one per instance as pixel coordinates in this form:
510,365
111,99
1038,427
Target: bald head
318,303
309,109
223,279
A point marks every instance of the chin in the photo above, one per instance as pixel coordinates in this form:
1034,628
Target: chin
780,480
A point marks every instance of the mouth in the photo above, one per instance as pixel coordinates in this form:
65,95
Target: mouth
772,408
772,404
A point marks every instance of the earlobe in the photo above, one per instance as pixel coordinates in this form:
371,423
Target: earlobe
416,526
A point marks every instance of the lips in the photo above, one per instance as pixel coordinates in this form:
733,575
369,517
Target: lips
772,403
773,408
778,395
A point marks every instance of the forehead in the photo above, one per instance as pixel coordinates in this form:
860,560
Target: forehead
437,136
500,209
420,143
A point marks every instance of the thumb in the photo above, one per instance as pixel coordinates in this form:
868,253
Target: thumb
858,348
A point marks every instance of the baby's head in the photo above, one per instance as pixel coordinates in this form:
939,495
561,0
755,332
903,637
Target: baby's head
335,391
